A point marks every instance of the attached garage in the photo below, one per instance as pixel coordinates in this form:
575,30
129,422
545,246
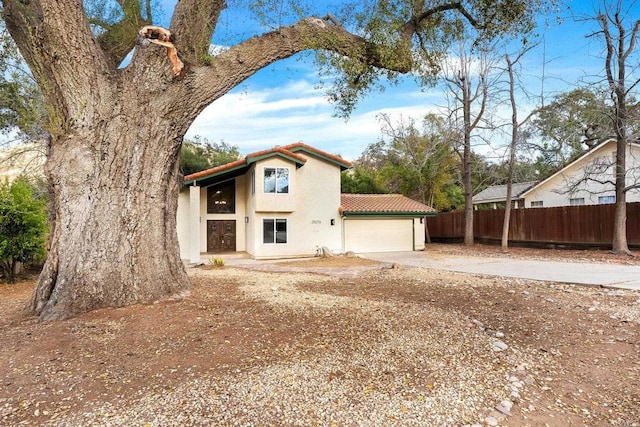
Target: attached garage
378,234
382,223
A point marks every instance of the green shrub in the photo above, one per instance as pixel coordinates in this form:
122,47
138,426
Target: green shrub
23,226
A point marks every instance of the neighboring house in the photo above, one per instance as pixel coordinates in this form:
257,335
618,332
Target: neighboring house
496,195
286,202
589,180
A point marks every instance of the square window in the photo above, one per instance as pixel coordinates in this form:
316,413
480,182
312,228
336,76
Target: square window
274,230
221,198
276,180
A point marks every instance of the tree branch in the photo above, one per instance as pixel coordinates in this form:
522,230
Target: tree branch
120,37
192,25
236,64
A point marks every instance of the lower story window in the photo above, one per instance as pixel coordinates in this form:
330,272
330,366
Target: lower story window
603,200
274,230
537,204
578,201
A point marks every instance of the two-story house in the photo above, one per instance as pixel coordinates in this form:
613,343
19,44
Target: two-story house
286,202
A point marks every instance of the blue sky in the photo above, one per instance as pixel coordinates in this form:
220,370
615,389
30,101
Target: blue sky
282,104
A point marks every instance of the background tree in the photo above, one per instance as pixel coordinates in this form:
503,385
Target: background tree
116,132
22,112
516,135
422,161
23,226
200,154
571,123
468,78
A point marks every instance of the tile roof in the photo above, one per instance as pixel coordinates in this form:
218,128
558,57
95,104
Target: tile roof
498,193
382,204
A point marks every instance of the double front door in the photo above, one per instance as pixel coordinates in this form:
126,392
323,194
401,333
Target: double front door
221,235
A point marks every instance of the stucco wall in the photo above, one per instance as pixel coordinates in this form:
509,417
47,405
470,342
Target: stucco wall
315,196
183,223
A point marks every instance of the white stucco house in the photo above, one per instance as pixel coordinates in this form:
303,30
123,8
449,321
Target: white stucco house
286,202
589,180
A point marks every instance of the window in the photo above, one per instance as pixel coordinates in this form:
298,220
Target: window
578,201
222,198
537,204
276,180
603,200
274,230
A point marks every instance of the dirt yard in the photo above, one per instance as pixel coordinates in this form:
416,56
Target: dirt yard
401,346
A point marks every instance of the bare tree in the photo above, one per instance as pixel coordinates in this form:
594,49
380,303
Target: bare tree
621,80
469,79
516,126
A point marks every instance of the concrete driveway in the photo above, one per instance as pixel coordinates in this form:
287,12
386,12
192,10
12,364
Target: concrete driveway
605,275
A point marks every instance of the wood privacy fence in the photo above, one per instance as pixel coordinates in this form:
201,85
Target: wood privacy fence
589,225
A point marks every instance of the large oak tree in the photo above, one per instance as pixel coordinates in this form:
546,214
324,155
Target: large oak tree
116,132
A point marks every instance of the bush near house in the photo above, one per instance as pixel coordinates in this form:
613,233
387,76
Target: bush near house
23,226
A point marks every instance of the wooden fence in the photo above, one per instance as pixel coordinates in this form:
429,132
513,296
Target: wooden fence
590,225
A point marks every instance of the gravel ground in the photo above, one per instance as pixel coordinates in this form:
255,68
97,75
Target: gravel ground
406,347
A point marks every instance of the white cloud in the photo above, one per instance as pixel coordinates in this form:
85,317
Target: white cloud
255,120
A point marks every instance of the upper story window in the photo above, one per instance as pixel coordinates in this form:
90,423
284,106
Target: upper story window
276,180
222,198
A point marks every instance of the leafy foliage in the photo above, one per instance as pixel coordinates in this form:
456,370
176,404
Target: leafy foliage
201,154
23,226
21,104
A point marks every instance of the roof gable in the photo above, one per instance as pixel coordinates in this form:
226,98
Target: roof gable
382,204
292,152
609,144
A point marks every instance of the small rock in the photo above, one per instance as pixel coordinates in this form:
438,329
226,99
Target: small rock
499,334
499,346
491,421
515,395
513,379
503,409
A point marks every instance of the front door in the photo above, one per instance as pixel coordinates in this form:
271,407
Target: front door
221,235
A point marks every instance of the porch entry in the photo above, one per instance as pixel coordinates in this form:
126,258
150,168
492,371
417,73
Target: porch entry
221,235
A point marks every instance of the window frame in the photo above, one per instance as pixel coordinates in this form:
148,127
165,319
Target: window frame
275,233
275,170
610,200
576,201
537,203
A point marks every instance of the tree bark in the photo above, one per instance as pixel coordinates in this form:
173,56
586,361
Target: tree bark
114,241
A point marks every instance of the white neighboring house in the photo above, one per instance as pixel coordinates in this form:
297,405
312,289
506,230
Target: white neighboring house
589,180
286,202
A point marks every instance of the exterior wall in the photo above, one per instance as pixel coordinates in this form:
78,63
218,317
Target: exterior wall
272,202
418,234
381,234
182,224
554,193
312,202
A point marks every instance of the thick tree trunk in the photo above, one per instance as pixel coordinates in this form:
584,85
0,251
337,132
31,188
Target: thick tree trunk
114,241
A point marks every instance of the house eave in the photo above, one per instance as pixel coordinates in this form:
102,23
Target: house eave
389,214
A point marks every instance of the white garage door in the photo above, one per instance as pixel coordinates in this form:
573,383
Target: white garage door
378,235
